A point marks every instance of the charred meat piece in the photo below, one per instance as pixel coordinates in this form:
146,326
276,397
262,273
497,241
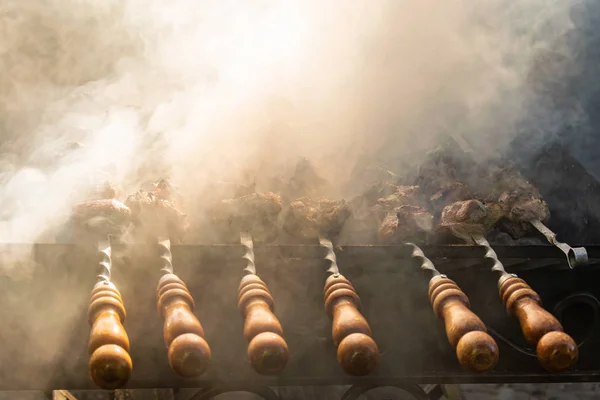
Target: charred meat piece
449,193
382,198
521,201
405,222
308,219
393,212
96,219
154,217
438,179
255,213
464,219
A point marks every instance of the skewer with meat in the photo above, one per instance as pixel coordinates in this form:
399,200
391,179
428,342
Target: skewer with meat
470,220
394,211
438,180
255,213
154,214
307,218
523,207
520,200
99,216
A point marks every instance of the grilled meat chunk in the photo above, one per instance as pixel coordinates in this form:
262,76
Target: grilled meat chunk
448,193
464,219
438,179
405,222
520,200
254,213
97,219
308,219
381,198
154,216
393,212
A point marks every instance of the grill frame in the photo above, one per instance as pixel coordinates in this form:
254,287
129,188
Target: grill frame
54,299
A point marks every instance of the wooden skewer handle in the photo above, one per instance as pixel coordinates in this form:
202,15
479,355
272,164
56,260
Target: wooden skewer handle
555,350
267,349
189,353
357,352
475,349
110,364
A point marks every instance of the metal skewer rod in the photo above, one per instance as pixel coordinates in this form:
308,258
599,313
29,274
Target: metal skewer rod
188,352
105,251
268,351
109,364
491,255
246,240
476,351
425,263
575,255
556,351
357,352
330,256
166,258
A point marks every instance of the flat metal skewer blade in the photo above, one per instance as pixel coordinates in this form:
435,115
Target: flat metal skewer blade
426,263
330,256
166,257
106,263
246,240
575,255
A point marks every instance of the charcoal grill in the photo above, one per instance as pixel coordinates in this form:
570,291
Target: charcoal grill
45,340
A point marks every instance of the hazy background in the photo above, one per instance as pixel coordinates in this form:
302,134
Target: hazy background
199,91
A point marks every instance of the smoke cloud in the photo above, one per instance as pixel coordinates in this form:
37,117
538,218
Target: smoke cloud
200,91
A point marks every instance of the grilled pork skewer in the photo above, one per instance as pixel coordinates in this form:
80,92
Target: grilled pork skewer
555,350
101,215
394,211
156,211
267,350
189,353
255,213
357,352
110,364
156,219
306,218
524,207
249,216
98,220
476,351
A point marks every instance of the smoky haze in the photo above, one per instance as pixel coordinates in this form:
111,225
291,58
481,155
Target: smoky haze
199,91
205,90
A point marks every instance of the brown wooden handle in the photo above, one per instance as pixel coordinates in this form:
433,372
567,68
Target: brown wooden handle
357,352
475,349
189,354
110,364
555,349
267,350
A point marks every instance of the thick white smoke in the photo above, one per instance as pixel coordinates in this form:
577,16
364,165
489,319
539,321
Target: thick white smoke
206,90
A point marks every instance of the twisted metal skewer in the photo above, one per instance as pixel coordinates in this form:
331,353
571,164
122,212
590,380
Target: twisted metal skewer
575,255
166,258
106,263
246,240
330,256
490,254
426,263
